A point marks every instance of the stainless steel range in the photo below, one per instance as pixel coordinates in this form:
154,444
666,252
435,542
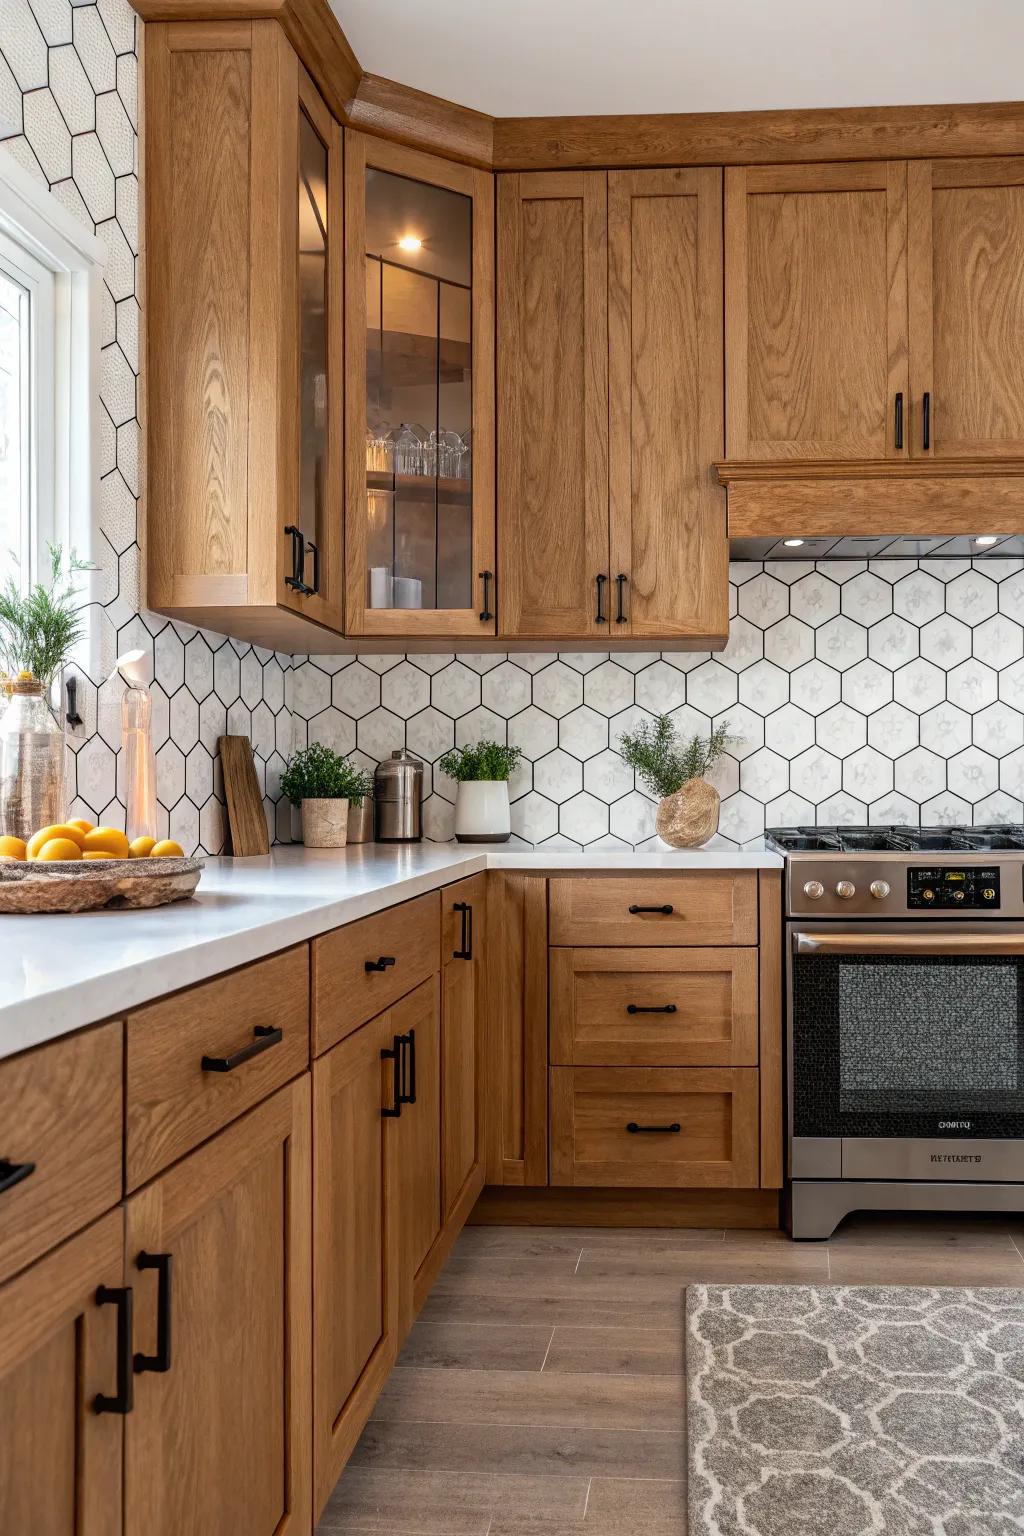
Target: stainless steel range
905,1019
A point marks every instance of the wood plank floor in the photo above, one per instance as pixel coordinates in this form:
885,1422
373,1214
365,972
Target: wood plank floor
541,1391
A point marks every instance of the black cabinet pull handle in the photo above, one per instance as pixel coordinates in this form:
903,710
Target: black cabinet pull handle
264,1036
13,1173
654,1130
409,1094
161,1361
599,617
465,950
898,423
394,1055
297,578
665,1008
620,594
926,421
486,577
119,1296
316,569
380,964
666,911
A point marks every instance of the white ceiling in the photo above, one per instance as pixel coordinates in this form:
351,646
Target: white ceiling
538,57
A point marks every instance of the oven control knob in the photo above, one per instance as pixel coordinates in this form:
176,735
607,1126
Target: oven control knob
880,889
846,890
814,889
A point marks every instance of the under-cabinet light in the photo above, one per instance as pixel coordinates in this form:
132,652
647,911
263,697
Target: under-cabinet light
410,243
792,543
985,539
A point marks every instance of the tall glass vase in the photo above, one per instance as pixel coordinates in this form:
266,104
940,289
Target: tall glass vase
32,788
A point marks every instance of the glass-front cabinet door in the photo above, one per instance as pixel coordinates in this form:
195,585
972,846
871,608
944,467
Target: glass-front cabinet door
311,540
419,394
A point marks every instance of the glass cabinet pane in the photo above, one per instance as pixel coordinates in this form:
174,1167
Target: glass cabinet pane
312,330
419,414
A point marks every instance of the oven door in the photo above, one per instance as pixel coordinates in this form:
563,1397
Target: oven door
906,1051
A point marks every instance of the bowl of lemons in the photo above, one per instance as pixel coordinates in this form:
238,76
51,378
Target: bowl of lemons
74,866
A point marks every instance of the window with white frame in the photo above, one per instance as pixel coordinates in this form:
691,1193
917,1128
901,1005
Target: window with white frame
50,285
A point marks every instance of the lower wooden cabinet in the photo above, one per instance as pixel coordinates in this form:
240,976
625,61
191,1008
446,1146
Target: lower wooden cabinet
417,1020
60,1460
655,1128
218,1254
463,930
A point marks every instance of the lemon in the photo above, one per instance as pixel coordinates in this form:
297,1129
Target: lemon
141,847
96,854
13,848
82,825
106,840
58,848
167,849
47,834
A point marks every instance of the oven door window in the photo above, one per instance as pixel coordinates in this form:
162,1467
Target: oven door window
898,1045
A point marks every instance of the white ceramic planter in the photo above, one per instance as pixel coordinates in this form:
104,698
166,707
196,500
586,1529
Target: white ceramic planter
325,823
482,812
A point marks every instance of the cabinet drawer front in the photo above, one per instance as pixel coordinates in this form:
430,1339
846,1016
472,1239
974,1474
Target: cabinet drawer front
60,1127
654,1007
693,908
403,941
695,1127
173,1102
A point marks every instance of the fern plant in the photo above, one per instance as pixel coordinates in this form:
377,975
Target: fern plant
40,628
664,760
483,760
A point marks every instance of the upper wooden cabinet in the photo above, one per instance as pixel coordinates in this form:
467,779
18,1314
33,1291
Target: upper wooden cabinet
420,393
610,406
967,307
816,311
243,235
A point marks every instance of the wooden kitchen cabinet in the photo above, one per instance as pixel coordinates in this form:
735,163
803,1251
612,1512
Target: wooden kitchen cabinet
243,235
417,1018
60,1460
419,403
816,360
669,553
966,257
219,1440
464,926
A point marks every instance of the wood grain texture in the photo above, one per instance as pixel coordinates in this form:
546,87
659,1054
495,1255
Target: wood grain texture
247,822
517,1023
816,310
363,153
62,1112
866,505
345,994
356,1285
463,1084
665,381
418,1142
227,1429
967,307
60,1462
716,1108
706,909
422,121
171,1104
769,901
552,404
743,1208
713,993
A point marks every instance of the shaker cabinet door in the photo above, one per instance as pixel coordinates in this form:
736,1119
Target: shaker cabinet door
816,311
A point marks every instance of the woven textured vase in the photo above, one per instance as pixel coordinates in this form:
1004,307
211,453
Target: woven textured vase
689,818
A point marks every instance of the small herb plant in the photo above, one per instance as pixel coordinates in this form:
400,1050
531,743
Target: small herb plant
483,760
318,773
40,628
664,760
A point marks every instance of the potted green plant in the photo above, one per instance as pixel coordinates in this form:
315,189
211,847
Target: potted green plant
482,772
39,629
323,784
674,769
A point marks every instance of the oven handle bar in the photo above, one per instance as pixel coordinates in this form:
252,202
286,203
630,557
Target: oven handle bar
907,944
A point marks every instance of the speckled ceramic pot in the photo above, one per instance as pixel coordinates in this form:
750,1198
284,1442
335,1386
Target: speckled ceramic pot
689,818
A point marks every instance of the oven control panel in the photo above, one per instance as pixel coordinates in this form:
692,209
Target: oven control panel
970,889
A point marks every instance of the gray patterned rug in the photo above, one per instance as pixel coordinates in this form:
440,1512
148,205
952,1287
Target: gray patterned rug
849,1410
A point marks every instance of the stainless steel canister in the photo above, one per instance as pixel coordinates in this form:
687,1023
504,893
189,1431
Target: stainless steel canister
397,799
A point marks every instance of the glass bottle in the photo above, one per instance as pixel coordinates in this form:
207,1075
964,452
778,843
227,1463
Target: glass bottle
32,789
139,762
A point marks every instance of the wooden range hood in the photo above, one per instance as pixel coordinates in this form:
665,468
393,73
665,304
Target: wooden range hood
875,509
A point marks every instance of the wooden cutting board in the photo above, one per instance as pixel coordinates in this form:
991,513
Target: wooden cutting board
247,824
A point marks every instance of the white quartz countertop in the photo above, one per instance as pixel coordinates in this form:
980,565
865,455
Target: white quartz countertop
60,972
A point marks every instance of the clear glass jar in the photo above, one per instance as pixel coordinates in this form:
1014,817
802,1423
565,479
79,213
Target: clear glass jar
32,788
139,762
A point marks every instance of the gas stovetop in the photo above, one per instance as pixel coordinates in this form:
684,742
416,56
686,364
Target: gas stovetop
903,872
